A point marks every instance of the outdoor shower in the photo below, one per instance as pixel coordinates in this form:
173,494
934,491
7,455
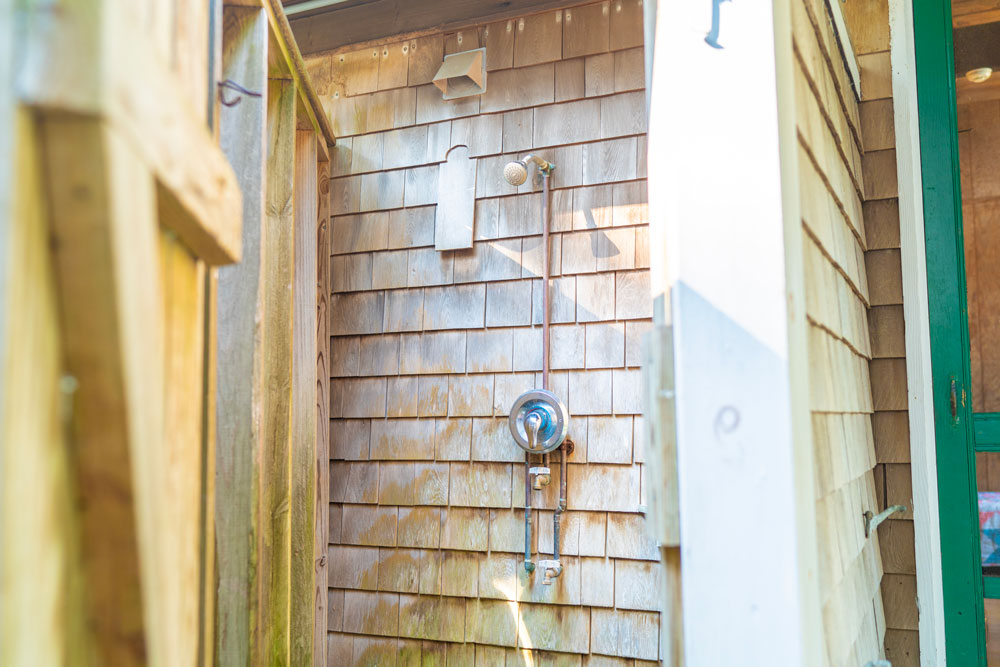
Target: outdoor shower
538,419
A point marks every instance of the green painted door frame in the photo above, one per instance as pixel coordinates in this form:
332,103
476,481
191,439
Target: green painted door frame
949,334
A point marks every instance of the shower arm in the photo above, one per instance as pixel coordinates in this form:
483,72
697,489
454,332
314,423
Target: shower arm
544,166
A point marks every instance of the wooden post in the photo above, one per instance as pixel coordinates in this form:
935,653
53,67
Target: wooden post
39,624
277,283
179,537
737,311
304,412
101,199
240,394
322,512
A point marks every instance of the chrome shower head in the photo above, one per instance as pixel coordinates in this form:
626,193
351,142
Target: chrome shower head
516,172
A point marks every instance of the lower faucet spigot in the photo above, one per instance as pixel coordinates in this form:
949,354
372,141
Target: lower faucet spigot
552,569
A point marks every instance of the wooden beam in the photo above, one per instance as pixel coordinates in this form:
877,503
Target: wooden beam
277,287
41,625
356,23
240,394
126,85
322,513
304,411
209,431
102,199
179,538
293,56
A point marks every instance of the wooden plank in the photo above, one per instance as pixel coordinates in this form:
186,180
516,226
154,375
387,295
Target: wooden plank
206,552
101,198
902,647
626,24
876,125
899,595
456,200
171,138
240,394
304,413
321,513
40,624
538,39
180,530
886,327
393,65
189,52
868,24
498,38
289,49
586,29
276,277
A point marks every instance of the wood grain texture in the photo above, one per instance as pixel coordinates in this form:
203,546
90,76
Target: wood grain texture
41,625
323,367
538,39
118,362
840,287
277,281
240,393
303,401
181,525
173,142
868,26
421,482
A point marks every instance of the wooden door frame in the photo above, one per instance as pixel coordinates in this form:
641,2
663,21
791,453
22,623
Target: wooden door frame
947,321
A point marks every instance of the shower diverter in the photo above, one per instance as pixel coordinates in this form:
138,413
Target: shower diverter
538,421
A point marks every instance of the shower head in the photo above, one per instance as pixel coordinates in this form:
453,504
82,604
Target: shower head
516,172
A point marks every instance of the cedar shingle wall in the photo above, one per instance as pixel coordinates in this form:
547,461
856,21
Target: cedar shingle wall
429,349
869,27
845,375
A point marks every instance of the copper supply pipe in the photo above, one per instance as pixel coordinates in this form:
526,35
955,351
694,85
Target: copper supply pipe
529,567
565,448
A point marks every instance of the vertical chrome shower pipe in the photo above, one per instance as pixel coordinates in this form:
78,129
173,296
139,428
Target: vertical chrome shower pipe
545,279
528,565
546,270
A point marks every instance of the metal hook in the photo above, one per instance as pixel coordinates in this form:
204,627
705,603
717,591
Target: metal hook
872,521
232,85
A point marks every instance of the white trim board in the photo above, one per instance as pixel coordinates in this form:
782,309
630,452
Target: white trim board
722,177
923,461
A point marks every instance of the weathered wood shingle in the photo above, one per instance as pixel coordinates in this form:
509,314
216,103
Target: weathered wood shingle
430,349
